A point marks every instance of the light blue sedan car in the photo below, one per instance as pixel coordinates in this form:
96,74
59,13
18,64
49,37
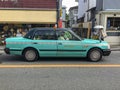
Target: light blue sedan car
50,42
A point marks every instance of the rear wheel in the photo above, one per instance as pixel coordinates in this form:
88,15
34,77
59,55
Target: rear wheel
95,55
30,55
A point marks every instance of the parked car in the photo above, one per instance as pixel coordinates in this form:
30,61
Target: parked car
50,42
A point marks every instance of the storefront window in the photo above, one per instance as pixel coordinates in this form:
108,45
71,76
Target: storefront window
17,30
113,23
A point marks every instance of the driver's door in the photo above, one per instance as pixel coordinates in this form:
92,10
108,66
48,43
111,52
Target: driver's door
71,47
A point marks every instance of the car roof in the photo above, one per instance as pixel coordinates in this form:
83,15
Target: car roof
48,29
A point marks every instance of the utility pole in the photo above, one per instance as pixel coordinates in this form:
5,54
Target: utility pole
59,11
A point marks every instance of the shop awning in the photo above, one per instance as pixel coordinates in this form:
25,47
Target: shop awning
28,16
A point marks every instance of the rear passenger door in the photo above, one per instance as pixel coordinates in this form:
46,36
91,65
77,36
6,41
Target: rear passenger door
45,41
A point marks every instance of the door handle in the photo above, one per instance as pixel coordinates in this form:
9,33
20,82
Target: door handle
59,43
35,43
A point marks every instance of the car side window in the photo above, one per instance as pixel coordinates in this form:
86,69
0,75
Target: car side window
29,34
44,35
65,35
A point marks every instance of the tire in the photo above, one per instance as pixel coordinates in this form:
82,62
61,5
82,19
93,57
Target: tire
30,55
95,55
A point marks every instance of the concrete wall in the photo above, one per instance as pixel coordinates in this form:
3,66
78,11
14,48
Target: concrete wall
63,16
81,8
108,4
92,3
84,6
111,4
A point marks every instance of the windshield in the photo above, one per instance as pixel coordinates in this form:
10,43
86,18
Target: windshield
75,34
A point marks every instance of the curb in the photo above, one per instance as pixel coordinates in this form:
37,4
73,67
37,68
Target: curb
2,52
1,49
115,49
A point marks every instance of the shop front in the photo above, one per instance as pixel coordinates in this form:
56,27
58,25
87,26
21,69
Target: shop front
17,21
111,22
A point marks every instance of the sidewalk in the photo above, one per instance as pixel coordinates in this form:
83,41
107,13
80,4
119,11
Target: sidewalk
115,48
2,49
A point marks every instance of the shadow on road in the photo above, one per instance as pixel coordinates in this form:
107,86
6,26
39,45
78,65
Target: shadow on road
16,59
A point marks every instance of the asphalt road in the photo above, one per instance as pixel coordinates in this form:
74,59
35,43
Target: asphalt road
114,58
59,78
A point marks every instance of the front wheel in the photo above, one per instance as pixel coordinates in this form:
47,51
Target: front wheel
95,55
30,55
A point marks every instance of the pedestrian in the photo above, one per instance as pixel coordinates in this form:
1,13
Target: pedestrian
18,33
99,33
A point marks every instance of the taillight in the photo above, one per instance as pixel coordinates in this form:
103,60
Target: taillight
4,42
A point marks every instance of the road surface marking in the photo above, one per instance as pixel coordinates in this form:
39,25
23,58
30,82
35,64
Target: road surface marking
62,66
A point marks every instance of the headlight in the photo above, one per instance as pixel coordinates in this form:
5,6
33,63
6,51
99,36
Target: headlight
108,46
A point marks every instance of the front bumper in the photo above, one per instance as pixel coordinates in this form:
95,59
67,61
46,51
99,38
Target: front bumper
7,50
106,52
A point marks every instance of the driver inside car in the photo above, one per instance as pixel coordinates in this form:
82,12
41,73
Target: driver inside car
61,37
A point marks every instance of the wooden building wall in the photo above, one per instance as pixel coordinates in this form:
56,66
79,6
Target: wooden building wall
51,4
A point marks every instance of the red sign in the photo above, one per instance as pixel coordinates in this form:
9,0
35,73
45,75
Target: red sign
60,23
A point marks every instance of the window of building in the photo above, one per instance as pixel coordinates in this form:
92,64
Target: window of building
113,23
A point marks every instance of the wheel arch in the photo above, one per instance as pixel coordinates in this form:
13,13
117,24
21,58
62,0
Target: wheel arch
94,48
30,48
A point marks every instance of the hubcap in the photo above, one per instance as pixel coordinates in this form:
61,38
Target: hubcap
95,55
30,55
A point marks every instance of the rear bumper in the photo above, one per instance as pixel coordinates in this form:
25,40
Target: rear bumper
106,52
7,50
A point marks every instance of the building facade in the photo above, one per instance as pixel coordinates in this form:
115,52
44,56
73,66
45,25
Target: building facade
102,12
84,9
19,15
64,16
73,16
108,15
43,12
28,4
